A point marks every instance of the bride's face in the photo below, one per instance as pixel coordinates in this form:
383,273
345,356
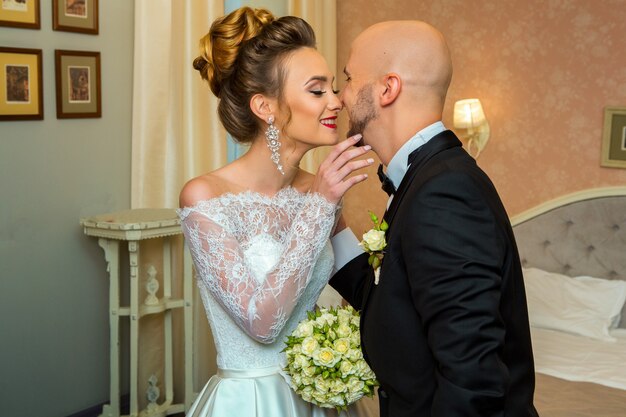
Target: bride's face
311,105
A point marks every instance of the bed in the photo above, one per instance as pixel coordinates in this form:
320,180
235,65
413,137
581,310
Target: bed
573,250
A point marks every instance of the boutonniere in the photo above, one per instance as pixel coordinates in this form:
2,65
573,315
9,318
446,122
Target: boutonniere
374,243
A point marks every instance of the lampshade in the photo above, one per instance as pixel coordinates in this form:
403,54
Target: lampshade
468,114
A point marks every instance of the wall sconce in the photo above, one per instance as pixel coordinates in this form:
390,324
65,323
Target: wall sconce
470,119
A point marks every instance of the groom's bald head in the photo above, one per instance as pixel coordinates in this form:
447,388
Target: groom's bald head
398,77
414,50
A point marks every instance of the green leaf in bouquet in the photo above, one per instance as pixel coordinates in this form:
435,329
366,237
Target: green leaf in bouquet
325,374
310,315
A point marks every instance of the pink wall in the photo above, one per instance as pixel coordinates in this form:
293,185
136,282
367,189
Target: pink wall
544,71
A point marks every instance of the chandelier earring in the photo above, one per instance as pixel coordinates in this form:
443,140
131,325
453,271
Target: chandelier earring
273,143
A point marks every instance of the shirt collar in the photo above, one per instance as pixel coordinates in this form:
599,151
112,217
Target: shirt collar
399,163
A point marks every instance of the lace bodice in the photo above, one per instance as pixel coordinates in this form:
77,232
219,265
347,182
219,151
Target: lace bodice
261,263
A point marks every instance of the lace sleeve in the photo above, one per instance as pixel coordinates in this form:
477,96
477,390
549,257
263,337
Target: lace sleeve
260,307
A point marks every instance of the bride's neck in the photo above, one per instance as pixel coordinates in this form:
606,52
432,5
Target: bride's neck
265,176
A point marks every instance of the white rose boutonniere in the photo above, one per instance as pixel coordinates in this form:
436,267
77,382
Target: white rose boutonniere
374,243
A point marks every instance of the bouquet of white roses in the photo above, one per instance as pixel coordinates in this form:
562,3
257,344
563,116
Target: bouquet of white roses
324,359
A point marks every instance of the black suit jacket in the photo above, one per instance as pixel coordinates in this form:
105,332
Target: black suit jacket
446,329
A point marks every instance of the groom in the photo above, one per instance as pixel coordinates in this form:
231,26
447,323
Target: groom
446,327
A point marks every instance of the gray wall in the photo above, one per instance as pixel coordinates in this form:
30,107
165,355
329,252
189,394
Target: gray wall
54,340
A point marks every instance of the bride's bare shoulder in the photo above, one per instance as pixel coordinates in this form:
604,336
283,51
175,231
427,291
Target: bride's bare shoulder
203,187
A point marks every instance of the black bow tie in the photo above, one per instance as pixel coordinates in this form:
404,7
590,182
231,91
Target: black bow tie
386,182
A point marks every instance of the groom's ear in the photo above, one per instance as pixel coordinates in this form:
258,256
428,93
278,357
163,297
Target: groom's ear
392,85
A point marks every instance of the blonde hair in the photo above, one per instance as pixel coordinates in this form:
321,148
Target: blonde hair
242,55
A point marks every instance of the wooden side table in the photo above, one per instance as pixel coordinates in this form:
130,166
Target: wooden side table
134,226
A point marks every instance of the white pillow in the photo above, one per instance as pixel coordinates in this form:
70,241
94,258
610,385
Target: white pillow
584,305
617,286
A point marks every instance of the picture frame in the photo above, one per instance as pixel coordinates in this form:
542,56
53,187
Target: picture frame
21,84
23,14
75,16
78,92
614,138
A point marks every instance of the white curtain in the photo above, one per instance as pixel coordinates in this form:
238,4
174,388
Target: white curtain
176,136
176,133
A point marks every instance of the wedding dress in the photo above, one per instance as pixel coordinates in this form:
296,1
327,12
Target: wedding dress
261,263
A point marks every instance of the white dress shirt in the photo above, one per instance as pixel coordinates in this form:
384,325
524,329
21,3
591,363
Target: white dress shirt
345,243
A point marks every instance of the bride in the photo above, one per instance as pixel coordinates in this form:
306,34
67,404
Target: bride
259,227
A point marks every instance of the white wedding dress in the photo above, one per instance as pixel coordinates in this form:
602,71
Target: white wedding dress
261,263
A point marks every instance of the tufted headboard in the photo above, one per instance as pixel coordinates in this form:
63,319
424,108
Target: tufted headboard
579,234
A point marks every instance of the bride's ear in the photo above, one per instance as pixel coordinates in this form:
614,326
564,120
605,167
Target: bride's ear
262,106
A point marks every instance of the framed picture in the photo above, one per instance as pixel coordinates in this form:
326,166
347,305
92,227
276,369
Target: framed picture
21,84
75,16
614,138
20,13
77,84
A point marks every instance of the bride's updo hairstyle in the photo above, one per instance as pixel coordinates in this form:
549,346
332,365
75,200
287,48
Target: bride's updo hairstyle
244,54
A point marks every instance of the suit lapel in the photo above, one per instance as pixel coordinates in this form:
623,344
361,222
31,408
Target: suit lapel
445,140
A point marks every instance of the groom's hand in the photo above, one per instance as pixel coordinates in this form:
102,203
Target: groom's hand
333,177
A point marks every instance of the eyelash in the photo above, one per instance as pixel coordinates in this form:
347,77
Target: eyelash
322,92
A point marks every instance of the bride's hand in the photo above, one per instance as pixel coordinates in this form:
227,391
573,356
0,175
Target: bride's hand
332,179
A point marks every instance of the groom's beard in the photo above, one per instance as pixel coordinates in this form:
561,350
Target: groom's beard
362,113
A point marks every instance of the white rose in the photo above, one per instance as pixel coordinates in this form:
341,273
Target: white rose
342,345
297,380
307,381
308,371
344,330
355,338
344,316
309,346
304,329
321,385
319,397
306,393
332,335
353,397
326,357
355,385
325,318
337,386
346,368
355,355
337,400
300,361
375,240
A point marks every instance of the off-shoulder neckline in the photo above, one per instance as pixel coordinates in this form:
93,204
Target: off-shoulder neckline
252,193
